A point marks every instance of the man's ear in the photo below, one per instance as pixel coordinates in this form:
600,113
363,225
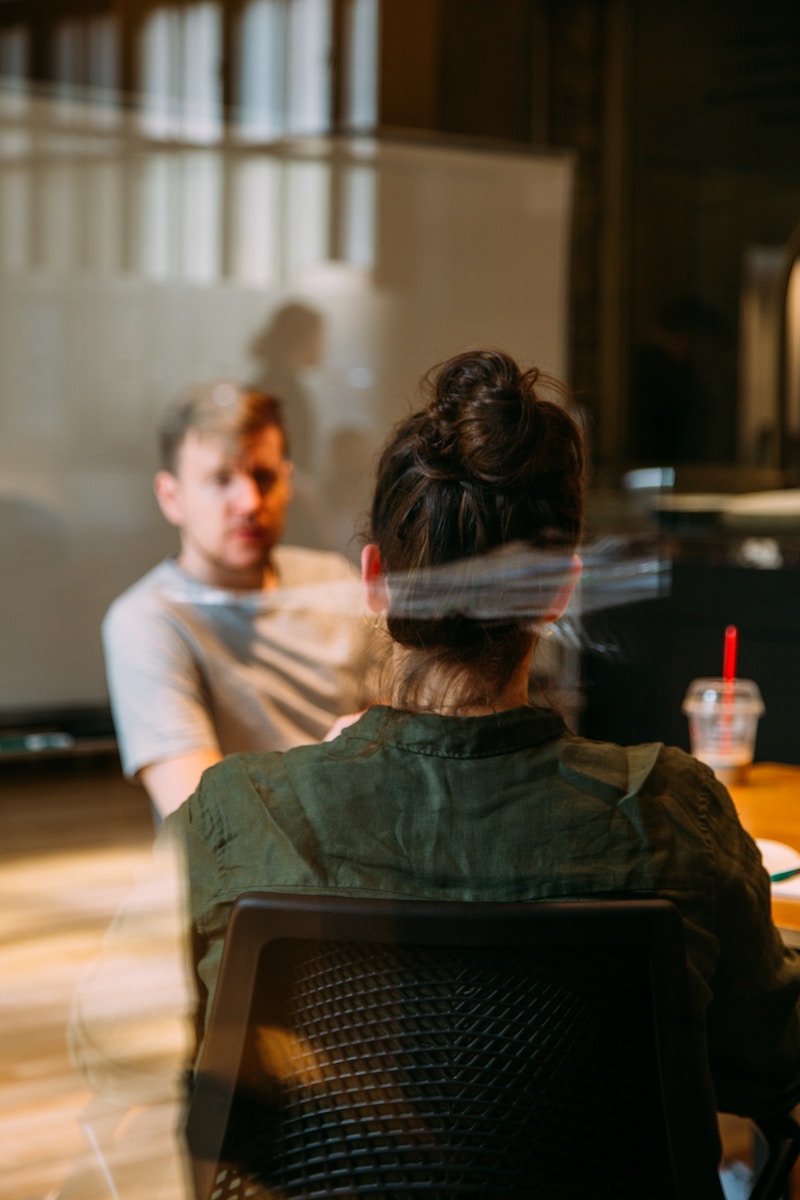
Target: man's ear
565,590
375,591
167,490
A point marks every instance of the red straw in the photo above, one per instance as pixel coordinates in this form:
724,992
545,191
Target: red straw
729,655
728,677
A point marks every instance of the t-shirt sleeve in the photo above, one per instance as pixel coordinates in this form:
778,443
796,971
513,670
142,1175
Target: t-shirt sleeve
158,696
753,1020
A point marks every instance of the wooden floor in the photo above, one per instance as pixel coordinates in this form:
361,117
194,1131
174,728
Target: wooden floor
73,835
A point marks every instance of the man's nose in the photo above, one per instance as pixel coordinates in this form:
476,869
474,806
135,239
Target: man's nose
247,494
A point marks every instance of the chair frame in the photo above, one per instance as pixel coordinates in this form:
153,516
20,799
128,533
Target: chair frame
652,926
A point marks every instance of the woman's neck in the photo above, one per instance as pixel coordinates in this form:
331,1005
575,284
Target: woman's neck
440,692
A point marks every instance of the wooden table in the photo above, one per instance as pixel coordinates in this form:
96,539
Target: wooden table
768,804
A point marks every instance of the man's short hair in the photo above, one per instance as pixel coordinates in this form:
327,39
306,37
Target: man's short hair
223,408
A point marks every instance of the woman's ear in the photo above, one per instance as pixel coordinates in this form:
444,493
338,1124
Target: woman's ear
565,589
377,596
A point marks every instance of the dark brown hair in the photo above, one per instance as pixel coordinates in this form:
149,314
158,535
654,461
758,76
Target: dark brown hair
223,408
488,463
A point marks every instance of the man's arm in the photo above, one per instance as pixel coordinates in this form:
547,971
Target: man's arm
170,782
164,728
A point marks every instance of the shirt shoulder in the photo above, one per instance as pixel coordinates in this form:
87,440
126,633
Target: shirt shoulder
652,777
690,782
630,767
297,566
154,611
231,801
150,592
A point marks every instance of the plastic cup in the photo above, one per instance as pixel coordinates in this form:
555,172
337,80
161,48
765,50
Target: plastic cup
723,721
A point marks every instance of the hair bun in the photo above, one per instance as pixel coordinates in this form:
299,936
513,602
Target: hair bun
479,421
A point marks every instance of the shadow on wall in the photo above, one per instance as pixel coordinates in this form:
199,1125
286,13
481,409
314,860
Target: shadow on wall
292,341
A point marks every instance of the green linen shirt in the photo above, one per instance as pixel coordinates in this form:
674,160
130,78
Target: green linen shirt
510,806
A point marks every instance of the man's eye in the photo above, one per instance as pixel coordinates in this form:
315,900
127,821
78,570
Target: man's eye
265,480
222,478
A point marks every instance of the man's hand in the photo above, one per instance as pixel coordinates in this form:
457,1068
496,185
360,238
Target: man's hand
341,724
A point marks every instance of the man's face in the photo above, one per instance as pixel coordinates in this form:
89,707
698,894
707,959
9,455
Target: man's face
229,502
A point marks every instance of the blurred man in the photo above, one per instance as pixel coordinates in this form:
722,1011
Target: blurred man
238,643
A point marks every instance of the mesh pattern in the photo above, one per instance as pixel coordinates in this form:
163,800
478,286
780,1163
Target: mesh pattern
444,1072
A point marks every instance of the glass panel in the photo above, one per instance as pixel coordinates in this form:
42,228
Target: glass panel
358,216
14,67
307,214
159,215
256,221
262,71
360,99
15,205
104,207
113,298
103,52
201,224
308,54
68,55
202,106
103,70
69,58
759,311
59,226
180,73
284,77
14,52
160,67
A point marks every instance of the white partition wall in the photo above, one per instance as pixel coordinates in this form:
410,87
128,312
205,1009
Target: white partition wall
131,264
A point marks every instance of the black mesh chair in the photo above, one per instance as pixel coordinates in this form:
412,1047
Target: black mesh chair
383,1049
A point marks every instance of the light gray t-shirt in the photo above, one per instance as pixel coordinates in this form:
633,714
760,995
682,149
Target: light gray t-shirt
192,667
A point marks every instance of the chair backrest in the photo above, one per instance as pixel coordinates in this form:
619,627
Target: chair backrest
388,1049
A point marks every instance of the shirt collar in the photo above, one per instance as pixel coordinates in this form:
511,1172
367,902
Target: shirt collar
457,737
